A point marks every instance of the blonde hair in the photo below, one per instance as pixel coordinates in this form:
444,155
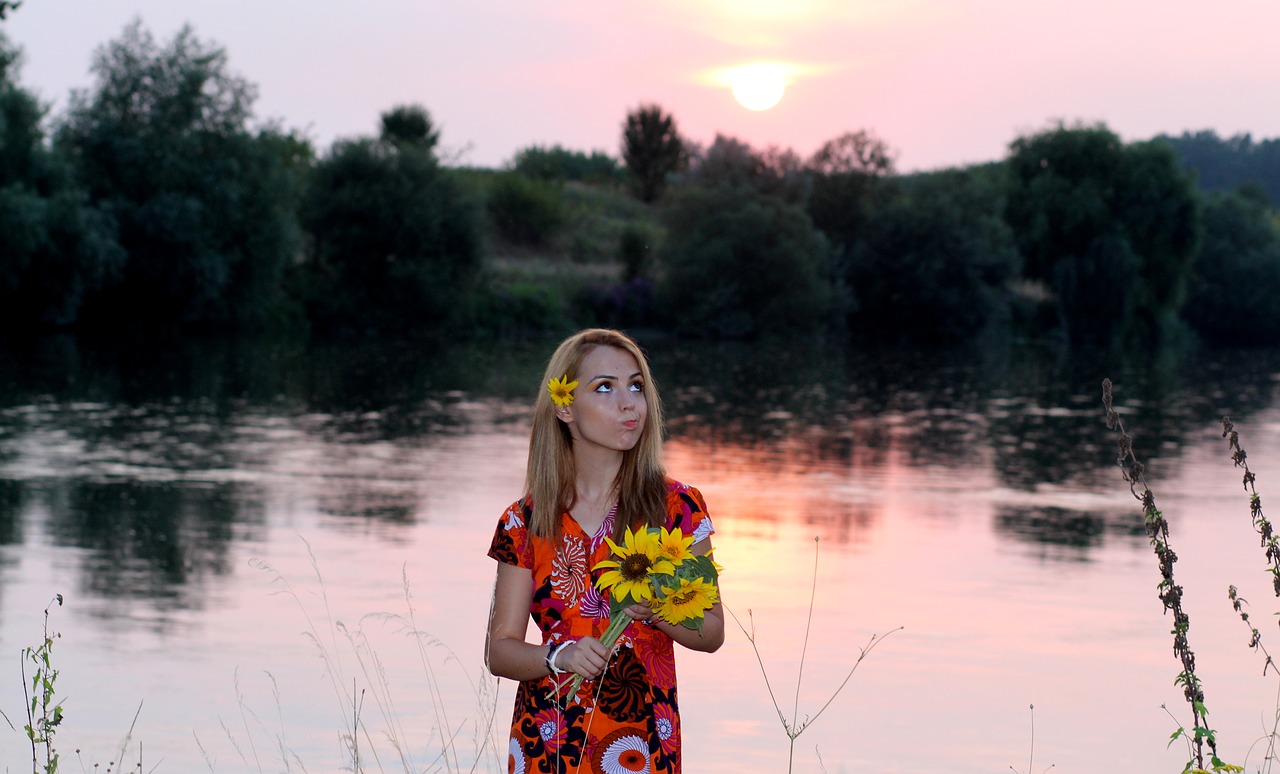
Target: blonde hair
551,474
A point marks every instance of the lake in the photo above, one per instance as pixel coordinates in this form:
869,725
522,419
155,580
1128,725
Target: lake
262,545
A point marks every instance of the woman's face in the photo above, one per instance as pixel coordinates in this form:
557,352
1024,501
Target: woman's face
609,406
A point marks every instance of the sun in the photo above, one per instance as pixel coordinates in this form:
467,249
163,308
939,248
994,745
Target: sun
759,85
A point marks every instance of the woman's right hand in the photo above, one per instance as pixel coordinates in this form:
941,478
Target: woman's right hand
587,657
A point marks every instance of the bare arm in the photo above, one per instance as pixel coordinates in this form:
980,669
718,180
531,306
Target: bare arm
508,654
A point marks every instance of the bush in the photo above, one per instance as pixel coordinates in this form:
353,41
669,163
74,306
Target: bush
934,262
1236,296
524,211
395,241
740,264
559,164
635,252
1124,213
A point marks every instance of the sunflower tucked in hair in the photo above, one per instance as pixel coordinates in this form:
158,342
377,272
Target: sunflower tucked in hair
562,390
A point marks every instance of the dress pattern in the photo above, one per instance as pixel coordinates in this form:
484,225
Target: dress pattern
627,720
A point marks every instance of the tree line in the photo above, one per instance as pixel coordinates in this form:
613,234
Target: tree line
155,200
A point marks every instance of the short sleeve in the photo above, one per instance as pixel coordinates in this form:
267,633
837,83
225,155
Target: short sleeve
687,510
511,543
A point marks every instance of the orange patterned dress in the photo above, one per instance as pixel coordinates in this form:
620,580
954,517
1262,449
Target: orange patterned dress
627,720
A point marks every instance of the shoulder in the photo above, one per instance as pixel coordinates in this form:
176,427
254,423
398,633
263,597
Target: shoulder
680,492
517,515
511,541
687,509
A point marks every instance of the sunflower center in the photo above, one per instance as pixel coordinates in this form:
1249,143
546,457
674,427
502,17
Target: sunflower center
684,597
635,567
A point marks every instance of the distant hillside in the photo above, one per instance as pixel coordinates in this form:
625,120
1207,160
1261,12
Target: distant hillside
1226,164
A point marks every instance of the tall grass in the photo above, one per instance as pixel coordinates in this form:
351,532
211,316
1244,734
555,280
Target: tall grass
372,731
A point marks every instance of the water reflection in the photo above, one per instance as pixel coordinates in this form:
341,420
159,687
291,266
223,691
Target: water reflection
1052,527
150,540
153,458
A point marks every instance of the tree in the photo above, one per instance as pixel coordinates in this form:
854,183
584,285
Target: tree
409,125
1237,269
847,174
732,163
651,149
54,246
8,5
206,207
742,264
1110,229
1224,164
858,151
395,244
934,260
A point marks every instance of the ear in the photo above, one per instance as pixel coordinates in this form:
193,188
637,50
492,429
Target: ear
564,414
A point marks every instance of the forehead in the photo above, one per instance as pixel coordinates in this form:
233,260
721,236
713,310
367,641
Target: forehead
607,360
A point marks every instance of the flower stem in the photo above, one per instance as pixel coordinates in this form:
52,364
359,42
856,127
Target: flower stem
616,624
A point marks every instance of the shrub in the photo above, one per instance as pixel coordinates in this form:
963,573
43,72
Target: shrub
1236,296
933,263
559,164
525,211
395,240
740,264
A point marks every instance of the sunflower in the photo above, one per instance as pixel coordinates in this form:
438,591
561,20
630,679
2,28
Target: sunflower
562,390
674,546
627,573
687,602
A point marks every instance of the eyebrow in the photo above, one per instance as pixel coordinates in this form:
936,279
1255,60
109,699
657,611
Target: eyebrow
598,377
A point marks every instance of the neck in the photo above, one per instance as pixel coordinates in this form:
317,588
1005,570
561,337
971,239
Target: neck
597,472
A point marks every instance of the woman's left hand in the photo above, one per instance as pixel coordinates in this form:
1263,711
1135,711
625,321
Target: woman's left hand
641,612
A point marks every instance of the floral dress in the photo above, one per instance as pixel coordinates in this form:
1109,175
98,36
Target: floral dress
627,720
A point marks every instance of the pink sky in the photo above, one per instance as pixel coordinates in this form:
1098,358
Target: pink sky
944,82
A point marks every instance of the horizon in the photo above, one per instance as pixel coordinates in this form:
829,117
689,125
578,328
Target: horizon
943,84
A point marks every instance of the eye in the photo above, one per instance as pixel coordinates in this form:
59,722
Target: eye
603,387
637,386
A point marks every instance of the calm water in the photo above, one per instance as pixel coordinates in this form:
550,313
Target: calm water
257,542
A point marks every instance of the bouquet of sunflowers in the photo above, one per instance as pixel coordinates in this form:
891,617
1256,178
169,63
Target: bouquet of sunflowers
656,567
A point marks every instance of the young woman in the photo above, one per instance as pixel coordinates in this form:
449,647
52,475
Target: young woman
594,471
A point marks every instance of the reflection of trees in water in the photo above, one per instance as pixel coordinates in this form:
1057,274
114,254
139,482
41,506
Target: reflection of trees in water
1037,411
11,504
349,422
151,540
1071,531
853,407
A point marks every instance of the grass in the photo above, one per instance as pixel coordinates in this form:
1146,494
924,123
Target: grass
371,730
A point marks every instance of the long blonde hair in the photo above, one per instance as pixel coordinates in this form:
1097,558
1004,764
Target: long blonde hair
551,474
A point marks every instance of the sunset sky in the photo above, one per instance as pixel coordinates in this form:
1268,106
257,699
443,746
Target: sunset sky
943,82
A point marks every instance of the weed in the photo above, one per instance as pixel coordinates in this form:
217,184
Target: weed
1031,761
795,727
1271,550
44,714
1170,595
